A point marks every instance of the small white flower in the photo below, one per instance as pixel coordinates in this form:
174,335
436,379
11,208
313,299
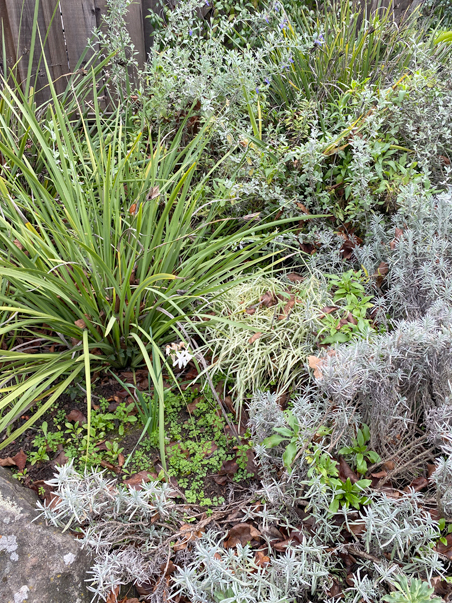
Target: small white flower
180,356
181,359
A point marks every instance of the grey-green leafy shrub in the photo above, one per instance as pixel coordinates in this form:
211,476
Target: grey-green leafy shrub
395,379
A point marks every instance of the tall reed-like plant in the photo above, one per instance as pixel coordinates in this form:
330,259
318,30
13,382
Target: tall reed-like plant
339,45
95,246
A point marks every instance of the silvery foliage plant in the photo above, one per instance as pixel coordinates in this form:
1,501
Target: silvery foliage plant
219,574
395,379
403,529
417,250
190,61
123,527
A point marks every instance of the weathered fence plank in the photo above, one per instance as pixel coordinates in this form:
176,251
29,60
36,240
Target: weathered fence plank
56,44
20,17
5,29
79,19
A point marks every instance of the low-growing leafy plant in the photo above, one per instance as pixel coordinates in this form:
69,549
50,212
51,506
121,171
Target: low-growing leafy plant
359,451
344,493
288,434
349,292
415,591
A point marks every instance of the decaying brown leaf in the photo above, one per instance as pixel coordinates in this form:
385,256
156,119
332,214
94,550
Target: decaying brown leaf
20,460
136,480
303,208
154,192
80,323
189,533
7,462
445,549
242,533
113,596
294,277
255,337
418,484
261,560
268,299
316,364
345,471
76,416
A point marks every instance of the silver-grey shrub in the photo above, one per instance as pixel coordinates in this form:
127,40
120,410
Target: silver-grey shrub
219,574
123,527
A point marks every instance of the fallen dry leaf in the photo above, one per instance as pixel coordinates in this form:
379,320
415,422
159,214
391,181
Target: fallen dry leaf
345,471
261,560
133,209
268,299
242,533
418,484
80,323
295,278
136,480
445,549
113,596
7,462
189,534
303,208
316,363
255,337
381,272
60,459
20,459
76,416
287,308
154,192
327,310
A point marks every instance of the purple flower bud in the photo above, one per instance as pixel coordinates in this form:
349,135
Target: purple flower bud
207,3
257,90
266,18
267,81
190,33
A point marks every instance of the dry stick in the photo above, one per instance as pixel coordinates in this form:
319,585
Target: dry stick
398,453
407,464
202,360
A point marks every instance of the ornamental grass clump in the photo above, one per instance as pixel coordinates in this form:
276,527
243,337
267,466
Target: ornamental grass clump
101,249
271,327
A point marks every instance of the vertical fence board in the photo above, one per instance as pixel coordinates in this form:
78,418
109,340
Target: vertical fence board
135,27
55,43
148,6
79,18
20,15
7,38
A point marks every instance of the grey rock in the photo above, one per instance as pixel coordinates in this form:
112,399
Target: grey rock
38,563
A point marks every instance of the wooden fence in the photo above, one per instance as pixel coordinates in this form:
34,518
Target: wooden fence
70,24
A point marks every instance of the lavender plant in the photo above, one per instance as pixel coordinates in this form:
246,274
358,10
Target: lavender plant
116,523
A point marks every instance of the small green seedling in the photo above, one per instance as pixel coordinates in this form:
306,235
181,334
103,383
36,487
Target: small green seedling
344,493
289,434
360,451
